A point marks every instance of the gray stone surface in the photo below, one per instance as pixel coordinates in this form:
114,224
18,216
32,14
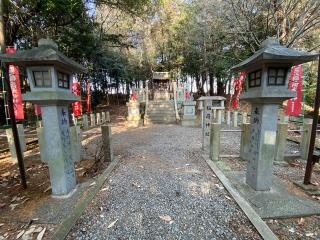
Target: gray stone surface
103,117
282,133
76,138
276,203
228,119
235,119
244,144
108,117
263,129
189,114
107,142
305,140
57,135
162,174
42,145
215,141
85,122
134,118
98,118
92,119
12,146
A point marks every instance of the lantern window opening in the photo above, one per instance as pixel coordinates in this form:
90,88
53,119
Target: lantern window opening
255,78
63,80
277,76
42,78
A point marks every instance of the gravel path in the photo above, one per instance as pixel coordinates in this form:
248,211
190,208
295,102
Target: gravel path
162,189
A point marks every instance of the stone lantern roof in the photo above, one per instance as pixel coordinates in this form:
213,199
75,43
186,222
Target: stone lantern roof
46,53
272,52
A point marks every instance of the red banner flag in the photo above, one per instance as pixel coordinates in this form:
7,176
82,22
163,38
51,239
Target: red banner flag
76,106
14,79
88,100
237,88
37,110
295,85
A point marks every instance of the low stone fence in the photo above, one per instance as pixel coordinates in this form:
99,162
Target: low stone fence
281,140
76,135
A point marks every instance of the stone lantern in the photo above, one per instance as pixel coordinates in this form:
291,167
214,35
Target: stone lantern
50,76
268,73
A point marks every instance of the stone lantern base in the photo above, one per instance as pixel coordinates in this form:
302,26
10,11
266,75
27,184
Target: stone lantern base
134,118
189,116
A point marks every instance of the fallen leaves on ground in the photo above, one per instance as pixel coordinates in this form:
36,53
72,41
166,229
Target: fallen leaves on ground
112,224
136,185
301,221
166,218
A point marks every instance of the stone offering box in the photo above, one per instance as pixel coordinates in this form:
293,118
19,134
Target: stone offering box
189,114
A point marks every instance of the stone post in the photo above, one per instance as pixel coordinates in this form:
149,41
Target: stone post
98,117
284,119
244,117
85,121
215,141
11,141
108,117
74,119
92,119
76,138
281,142
219,116
207,105
235,119
244,144
222,116
305,139
263,133
214,111
103,117
57,138
42,145
200,107
107,142
228,119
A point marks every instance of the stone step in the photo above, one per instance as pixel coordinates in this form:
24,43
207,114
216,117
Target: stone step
159,121
162,107
161,111
156,114
169,108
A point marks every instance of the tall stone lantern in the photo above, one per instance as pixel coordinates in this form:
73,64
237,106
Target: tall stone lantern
50,76
268,73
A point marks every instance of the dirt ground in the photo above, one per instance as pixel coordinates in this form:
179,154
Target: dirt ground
17,204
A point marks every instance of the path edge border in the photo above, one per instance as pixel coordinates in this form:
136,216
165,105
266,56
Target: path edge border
66,224
262,228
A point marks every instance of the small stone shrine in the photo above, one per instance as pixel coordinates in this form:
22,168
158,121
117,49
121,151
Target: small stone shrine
160,107
268,73
206,105
50,75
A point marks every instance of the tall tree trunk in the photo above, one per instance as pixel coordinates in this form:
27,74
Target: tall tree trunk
198,84
220,88
204,80
211,82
